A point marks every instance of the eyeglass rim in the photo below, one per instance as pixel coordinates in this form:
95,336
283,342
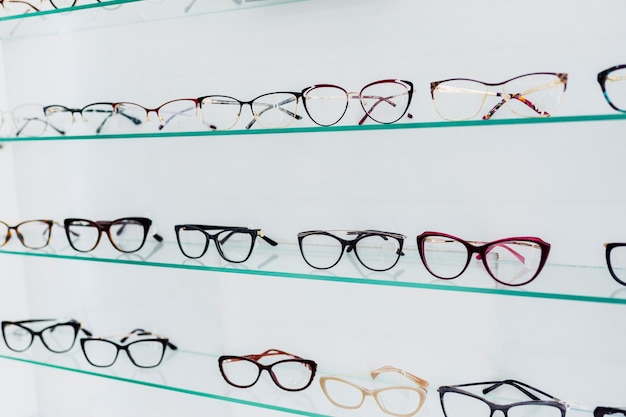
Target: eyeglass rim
312,365
98,224
76,325
72,5
352,243
601,411
22,2
481,250
602,76
49,223
163,341
608,250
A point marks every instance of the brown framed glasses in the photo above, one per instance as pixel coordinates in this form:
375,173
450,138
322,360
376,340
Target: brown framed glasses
127,234
32,234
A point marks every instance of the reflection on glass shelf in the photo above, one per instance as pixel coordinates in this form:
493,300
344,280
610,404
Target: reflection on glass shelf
564,282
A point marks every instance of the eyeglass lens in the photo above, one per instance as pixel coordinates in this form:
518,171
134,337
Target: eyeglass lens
615,88
142,353
57,338
33,234
460,405
233,245
127,234
289,374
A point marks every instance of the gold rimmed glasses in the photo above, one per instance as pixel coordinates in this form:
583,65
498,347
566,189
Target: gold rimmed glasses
400,400
537,94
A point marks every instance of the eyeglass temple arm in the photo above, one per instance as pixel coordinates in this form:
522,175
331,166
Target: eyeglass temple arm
520,386
260,233
29,119
274,106
419,381
375,232
381,100
520,97
142,332
156,236
517,255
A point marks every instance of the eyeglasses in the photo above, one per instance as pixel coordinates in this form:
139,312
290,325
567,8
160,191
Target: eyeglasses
530,95
234,244
174,115
30,121
58,337
384,101
95,116
33,234
613,84
127,234
395,400
616,261
272,110
458,402
375,250
145,352
292,374
607,411
512,261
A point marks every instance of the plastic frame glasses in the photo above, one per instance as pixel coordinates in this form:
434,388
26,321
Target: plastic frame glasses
609,79
602,411
519,93
375,250
116,230
234,244
448,404
291,374
58,337
383,396
145,352
32,234
383,101
511,261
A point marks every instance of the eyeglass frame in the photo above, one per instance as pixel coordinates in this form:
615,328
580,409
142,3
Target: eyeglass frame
602,77
105,226
358,95
253,358
422,389
561,75
524,388
481,250
202,228
607,253
80,111
602,411
351,244
38,333
50,223
164,341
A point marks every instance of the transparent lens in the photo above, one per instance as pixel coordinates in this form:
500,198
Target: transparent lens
220,112
514,262
615,88
4,233
98,118
460,405
400,401
16,337
459,99
385,102
342,393
534,410
30,120
100,352
193,242
83,235
378,252
59,338
617,259
180,115
535,95
240,372
60,117
130,117
292,374
321,251
275,109
326,104
235,246
444,257
146,353
128,235
35,234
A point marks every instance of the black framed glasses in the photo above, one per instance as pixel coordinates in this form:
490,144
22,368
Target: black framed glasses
602,411
33,234
375,250
58,337
536,94
145,349
127,234
458,401
613,84
511,261
615,254
290,374
384,101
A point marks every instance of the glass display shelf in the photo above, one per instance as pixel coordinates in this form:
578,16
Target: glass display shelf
559,282
336,128
89,14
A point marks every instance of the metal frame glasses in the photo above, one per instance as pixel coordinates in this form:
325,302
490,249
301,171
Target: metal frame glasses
613,84
234,244
537,94
458,402
375,250
395,400
511,261
127,234
58,337
292,374
32,234
384,101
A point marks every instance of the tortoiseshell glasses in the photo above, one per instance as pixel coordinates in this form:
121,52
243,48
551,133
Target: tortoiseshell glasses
613,84
33,234
537,94
127,234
